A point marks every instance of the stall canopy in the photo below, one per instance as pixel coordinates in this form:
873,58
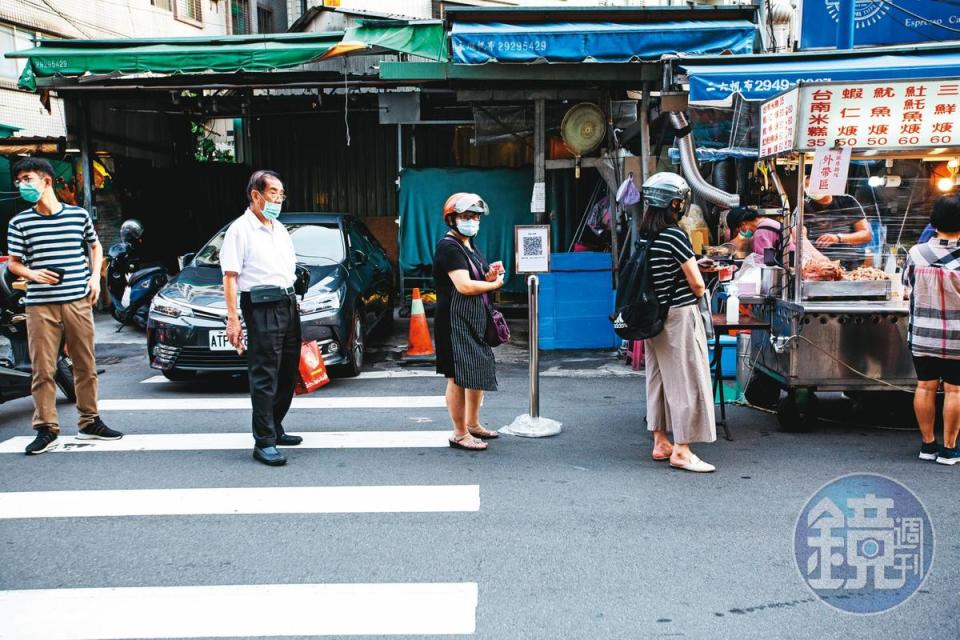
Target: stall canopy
762,77
481,42
424,38
172,55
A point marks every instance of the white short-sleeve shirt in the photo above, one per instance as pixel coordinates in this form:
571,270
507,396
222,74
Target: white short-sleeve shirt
258,253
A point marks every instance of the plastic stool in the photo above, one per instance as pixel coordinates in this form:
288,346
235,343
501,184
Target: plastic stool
635,354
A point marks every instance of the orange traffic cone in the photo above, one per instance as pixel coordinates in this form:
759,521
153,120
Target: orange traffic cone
420,346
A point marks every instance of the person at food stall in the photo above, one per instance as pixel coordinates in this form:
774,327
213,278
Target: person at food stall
932,277
679,394
837,226
753,233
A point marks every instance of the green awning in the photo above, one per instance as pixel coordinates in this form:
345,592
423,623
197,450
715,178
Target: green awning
223,54
425,38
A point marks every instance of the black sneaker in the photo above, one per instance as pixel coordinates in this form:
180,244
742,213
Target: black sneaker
948,455
98,431
45,441
929,451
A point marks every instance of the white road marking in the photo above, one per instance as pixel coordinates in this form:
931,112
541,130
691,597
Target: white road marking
243,402
366,375
231,441
238,501
240,611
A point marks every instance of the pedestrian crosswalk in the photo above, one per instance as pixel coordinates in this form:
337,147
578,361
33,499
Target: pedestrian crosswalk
238,501
334,608
189,403
240,611
238,441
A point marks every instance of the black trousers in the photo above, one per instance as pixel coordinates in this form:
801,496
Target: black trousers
273,358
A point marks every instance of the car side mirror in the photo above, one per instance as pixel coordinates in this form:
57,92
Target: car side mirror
359,257
184,259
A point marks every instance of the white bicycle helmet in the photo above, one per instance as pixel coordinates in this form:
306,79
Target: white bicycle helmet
661,189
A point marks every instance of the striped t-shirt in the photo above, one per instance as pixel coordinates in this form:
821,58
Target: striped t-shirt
55,240
670,250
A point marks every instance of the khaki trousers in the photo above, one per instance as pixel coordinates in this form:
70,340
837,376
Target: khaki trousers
679,393
47,326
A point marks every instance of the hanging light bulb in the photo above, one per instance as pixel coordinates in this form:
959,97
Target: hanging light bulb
945,184
876,181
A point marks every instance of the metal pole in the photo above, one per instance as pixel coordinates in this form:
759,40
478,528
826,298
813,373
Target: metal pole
539,149
846,24
86,166
798,232
647,164
533,300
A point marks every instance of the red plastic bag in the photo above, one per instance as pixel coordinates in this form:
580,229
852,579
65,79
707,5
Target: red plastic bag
313,371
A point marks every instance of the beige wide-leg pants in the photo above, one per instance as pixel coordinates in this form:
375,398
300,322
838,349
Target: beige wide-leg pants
679,392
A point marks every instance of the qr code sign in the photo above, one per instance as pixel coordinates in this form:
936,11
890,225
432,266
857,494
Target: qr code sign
532,246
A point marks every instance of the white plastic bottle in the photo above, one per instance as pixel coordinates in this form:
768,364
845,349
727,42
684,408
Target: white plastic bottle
733,304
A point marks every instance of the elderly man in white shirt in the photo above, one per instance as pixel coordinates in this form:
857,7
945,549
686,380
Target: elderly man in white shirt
259,262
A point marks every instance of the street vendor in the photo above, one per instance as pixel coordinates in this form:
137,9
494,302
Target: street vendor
837,226
753,233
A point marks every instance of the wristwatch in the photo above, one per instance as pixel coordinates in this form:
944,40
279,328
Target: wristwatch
839,238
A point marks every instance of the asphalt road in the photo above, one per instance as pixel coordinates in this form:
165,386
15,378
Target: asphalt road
577,536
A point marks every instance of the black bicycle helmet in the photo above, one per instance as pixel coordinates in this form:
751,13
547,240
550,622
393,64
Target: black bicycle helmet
131,231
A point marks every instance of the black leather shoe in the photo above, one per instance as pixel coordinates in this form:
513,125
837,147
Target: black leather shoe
269,456
287,440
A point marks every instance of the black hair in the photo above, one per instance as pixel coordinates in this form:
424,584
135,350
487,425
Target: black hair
946,214
656,219
739,215
36,165
258,181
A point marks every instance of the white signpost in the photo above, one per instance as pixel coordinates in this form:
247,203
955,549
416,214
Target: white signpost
532,244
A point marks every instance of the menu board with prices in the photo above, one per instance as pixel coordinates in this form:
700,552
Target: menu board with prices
879,115
778,124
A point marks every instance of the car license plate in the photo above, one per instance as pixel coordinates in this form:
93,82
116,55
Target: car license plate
219,342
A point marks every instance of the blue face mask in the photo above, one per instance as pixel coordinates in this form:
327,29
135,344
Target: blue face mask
271,210
30,192
468,228
746,235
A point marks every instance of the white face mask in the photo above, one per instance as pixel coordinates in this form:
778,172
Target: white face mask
468,228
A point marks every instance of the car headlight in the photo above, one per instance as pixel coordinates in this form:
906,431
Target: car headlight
166,307
323,302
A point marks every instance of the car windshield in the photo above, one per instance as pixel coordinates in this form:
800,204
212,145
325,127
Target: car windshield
315,244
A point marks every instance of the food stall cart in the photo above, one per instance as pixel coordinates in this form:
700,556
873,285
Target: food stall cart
836,333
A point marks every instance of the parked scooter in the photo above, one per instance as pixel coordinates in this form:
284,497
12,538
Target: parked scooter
15,368
132,285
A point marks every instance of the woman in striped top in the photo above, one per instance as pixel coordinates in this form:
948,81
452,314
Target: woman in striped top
679,394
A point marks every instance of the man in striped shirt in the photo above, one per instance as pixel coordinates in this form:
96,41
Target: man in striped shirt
48,245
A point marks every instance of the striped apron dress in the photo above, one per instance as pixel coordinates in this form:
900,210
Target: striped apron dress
474,366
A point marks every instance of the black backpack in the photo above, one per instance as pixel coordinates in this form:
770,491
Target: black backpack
638,313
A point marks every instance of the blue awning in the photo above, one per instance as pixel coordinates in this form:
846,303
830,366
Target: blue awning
477,43
760,80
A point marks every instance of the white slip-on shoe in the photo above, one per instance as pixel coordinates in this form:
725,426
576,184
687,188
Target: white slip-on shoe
695,464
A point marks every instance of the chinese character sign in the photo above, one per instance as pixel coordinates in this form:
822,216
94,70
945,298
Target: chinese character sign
863,543
828,176
778,122
879,115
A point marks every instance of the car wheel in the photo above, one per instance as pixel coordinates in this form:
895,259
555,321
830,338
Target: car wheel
178,375
356,346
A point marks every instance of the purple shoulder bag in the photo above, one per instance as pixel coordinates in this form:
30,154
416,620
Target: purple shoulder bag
497,331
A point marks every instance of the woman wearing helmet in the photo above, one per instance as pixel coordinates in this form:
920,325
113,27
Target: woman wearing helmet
679,394
462,277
